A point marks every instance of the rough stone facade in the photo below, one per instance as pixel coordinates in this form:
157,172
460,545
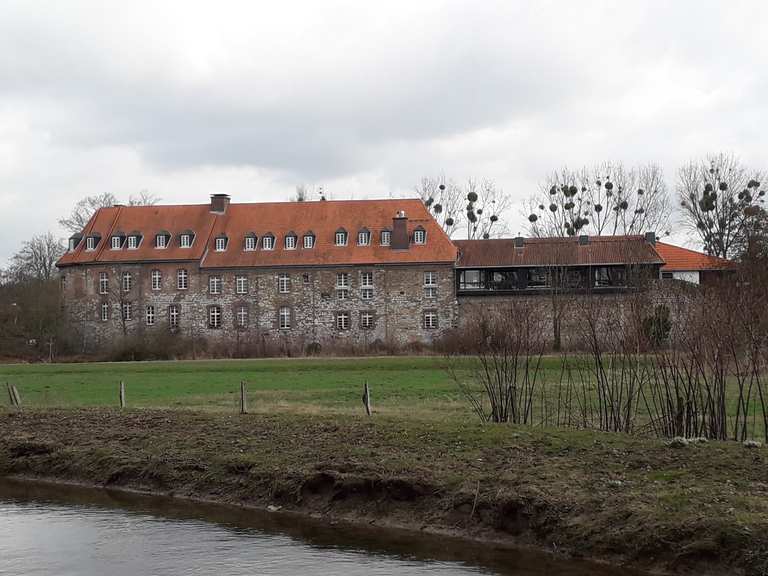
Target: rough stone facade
397,302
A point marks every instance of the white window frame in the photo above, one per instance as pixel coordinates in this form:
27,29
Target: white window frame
363,238
104,312
342,320
214,317
340,238
419,236
150,315
284,283
290,242
161,241
174,312
103,283
430,320
127,311
73,244
220,244
342,280
242,316
430,285
214,284
133,242
90,243
182,279
241,284
366,285
250,243
366,324
116,243
268,243
185,241
309,241
126,281
284,317
386,237
157,280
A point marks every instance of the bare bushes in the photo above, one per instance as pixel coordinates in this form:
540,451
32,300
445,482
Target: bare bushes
505,347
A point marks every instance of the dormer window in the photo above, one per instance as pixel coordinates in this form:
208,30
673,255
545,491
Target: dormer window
90,243
116,243
309,240
250,242
363,238
162,239
290,241
133,241
74,241
419,236
386,237
341,237
268,242
185,239
220,243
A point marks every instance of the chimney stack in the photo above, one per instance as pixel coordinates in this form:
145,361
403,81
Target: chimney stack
519,242
583,240
650,237
400,240
219,203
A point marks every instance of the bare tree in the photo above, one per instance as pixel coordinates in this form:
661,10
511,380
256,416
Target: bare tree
36,259
478,205
720,197
607,199
302,194
85,208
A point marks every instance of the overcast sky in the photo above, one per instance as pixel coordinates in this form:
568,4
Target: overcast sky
254,98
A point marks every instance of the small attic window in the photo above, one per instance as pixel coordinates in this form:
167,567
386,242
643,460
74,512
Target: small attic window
220,243
186,239
250,242
363,237
133,241
116,242
268,242
91,242
309,240
341,237
419,236
386,237
290,241
162,239
74,241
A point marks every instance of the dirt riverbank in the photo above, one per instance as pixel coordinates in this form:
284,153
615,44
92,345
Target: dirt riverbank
702,508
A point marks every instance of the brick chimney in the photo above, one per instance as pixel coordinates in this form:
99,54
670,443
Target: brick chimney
400,240
219,203
650,237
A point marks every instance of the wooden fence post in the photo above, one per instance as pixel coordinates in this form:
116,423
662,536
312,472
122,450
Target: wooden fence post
16,396
122,395
11,399
367,398
243,398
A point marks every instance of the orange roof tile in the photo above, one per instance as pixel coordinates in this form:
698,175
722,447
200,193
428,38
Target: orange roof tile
683,259
322,218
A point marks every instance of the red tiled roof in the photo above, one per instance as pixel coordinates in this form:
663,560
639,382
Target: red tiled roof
680,259
600,250
322,218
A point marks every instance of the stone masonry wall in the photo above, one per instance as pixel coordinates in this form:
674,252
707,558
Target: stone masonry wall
398,304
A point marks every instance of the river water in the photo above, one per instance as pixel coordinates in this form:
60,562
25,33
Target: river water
61,531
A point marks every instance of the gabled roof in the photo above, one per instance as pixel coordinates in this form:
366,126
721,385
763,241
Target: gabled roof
680,259
599,250
323,218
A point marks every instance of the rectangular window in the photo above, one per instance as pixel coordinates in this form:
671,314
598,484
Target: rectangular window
290,242
214,317
305,278
90,243
104,312
386,237
538,278
116,242
173,316
283,283
127,311
363,238
214,284
133,242
268,242
366,320
220,244
250,243
342,320
103,283
366,285
419,237
430,319
182,279
242,316
161,241
150,315
342,285
285,317
341,238
472,280
241,284
430,284
309,241
186,241
127,281
157,280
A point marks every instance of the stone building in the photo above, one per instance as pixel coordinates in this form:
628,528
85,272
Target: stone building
327,272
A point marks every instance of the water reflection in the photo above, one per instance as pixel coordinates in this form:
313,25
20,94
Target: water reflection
49,529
